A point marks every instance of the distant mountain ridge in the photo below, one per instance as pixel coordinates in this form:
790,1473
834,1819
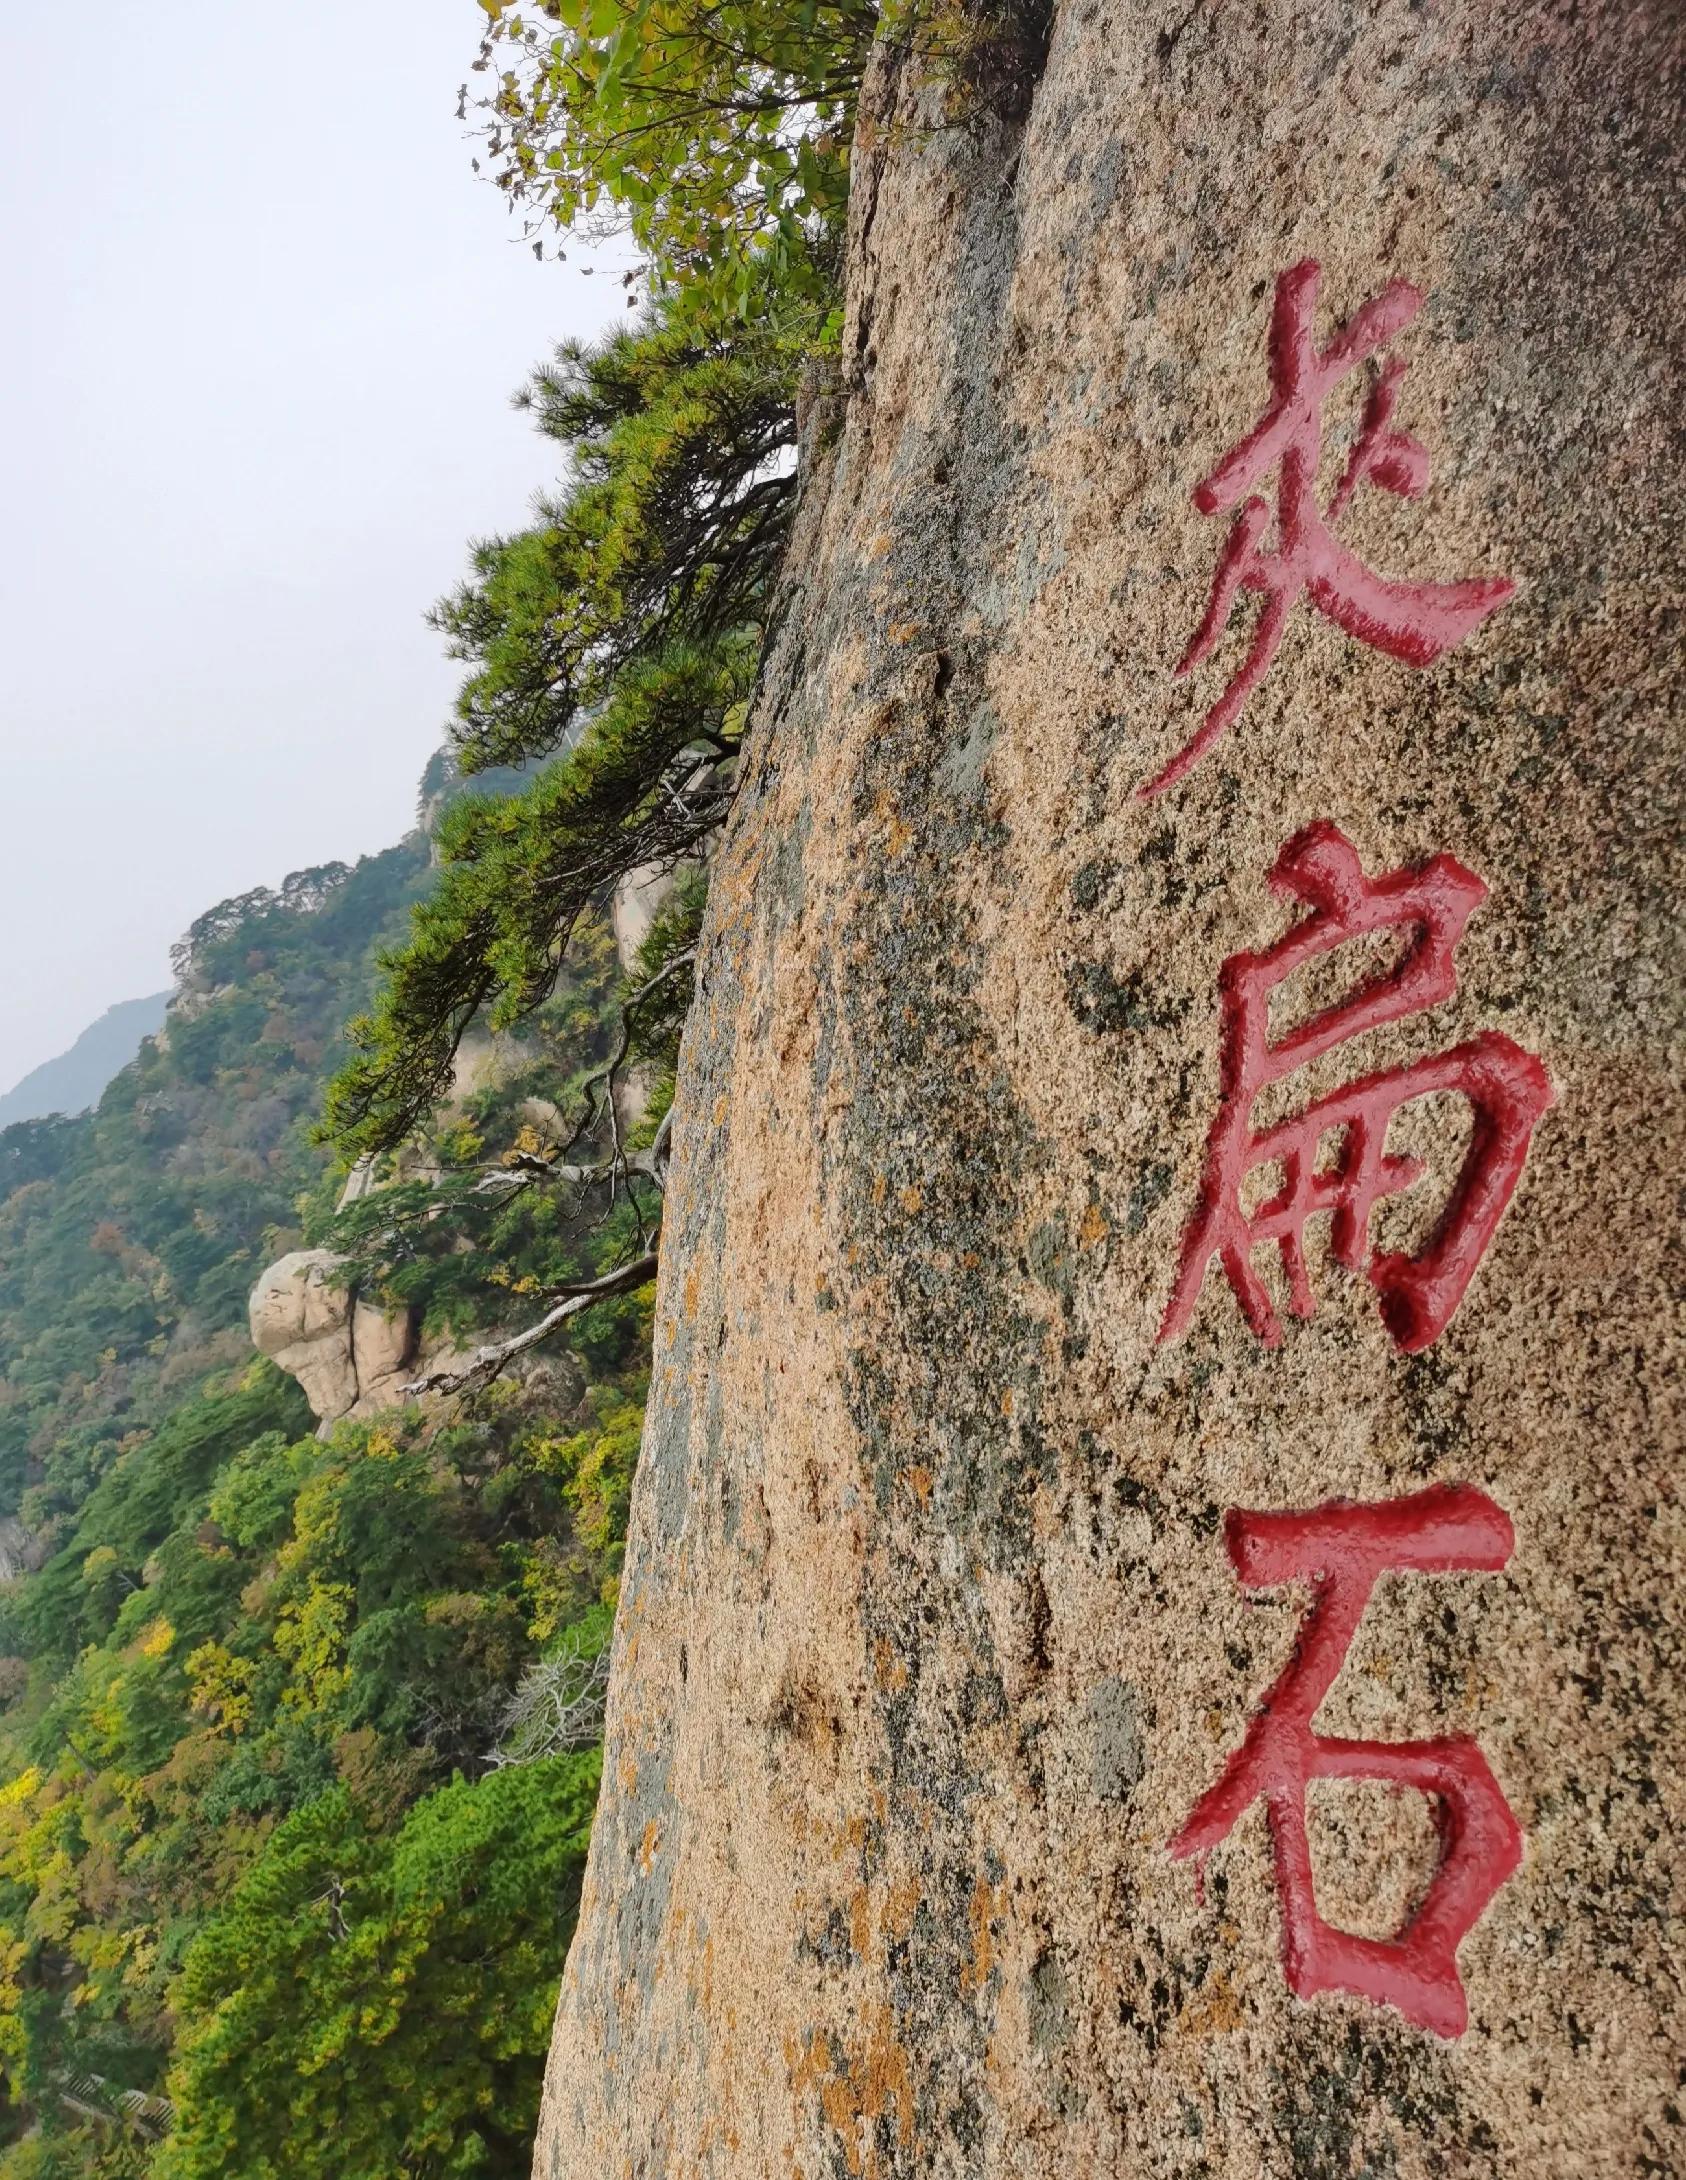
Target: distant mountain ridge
73,1081
130,1235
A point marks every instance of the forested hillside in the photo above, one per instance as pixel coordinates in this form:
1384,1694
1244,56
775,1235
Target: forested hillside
130,1237
72,1081
299,1731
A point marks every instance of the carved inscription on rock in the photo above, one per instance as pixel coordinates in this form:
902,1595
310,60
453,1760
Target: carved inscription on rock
1411,621
1342,1550
1507,1089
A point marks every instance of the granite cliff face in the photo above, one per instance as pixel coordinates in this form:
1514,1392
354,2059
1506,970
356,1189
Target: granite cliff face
929,1643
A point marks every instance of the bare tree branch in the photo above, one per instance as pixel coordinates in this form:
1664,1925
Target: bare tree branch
485,1363
521,1169
592,1112
557,1707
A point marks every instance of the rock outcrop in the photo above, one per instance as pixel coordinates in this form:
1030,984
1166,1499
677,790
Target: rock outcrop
22,1551
350,1357
634,906
929,1641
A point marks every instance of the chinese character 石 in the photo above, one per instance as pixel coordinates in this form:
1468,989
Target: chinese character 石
1414,622
1342,1549
1507,1088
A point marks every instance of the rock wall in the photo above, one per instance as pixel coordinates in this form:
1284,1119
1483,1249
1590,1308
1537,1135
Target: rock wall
634,906
931,1646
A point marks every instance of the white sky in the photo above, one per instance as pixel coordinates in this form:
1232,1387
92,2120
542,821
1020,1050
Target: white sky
262,325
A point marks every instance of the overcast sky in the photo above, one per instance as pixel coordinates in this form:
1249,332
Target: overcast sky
261,325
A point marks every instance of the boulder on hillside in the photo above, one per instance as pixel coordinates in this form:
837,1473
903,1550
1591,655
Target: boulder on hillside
349,1356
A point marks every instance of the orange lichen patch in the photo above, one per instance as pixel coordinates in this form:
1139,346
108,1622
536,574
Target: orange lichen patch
896,828
648,1845
808,2067
1006,1400
720,1110
880,545
856,2090
918,1481
988,1902
1046,1513
1092,1227
896,1907
911,1199
813,2063
690,1294
880,1187
714,2131
627,1773
889,1670
1219,2015
905,631
900,1905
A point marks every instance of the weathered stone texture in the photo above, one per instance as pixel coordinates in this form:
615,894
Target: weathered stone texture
349,1357
928,1641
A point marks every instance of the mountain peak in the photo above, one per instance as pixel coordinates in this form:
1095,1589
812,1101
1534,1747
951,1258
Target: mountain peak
75,1079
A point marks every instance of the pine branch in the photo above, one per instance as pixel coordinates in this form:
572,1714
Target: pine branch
486,1362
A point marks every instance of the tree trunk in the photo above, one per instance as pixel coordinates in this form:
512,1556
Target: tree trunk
931,1642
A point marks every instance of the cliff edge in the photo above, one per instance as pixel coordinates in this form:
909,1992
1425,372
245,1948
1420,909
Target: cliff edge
954,1589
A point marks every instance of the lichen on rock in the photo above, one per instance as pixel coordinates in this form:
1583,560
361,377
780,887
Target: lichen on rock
928,1641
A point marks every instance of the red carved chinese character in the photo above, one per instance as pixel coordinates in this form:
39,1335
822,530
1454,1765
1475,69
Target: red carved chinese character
1414,622
1342,1549
1507,1087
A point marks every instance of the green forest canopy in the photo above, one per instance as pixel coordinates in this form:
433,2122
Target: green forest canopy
258,1658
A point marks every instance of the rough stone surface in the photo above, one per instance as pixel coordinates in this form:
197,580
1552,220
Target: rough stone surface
928,1641
360,1181
349,1357
634,906
22,1550
483,1059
